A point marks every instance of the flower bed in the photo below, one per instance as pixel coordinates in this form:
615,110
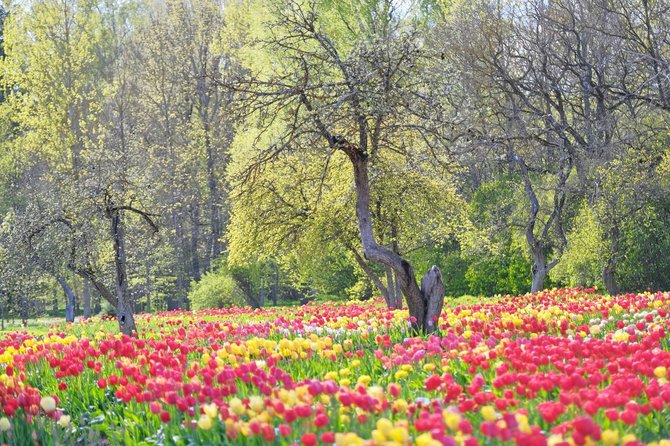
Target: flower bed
561,367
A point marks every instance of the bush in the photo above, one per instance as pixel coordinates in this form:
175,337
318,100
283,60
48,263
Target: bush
107,309
216,289
507,272
454,268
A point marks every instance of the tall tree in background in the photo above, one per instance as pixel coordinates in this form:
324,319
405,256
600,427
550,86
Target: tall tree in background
546,71
51,64
72,116
187,127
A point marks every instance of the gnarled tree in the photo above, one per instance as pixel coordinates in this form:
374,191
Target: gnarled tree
334,77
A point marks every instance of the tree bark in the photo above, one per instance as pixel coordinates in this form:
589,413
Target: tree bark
394,291
372,276
539,273
124,309
432,290
215,216
86,299
180,253
609,279
195,242
71,298
97,307
397,294
390,288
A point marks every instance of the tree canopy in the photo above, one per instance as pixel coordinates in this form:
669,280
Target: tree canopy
293,149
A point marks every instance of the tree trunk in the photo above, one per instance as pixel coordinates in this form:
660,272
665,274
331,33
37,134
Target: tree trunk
398,294
422,307
394,291
539,274
97,307
124,310
147,286
195,241
179,259
71,298
389,296
86,299
24,309
609,279
538,271
432,290
214,201
536,244
275,286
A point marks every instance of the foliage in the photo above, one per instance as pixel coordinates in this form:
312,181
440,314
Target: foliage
646,243
582,262
506,273
216,289
209,122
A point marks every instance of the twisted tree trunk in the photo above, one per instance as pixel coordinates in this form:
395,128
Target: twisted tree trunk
424,304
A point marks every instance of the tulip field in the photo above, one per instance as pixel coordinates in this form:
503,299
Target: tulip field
561,367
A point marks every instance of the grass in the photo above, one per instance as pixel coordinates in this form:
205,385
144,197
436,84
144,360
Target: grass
36,326
40,326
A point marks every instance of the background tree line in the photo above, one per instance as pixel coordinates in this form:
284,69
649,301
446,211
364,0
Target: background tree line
193,153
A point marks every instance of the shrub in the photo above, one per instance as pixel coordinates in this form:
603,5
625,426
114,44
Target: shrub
216,289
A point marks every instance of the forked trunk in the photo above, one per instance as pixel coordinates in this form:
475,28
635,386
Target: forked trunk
539,272
424,305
